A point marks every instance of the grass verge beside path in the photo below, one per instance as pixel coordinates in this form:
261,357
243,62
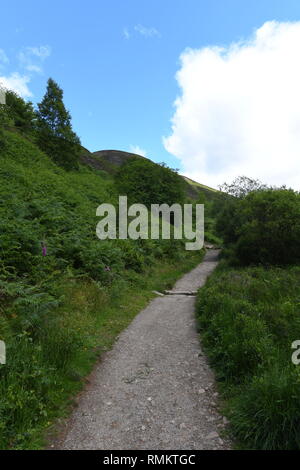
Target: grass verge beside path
248,319
41,377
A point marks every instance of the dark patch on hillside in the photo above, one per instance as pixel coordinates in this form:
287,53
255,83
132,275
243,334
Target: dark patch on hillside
107,160
116,157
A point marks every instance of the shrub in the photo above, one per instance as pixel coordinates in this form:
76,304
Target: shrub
263,227
270,233
148,183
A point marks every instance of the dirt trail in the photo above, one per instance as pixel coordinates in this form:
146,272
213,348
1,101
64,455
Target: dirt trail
154,389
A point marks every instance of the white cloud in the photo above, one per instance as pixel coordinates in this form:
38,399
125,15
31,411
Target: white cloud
17,83
126,33
34,68
147,32
138,150
31,58
239,109
42,52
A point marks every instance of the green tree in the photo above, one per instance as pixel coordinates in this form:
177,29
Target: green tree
54,129
263,227
19,112
270,230
149,183
241,186
227,205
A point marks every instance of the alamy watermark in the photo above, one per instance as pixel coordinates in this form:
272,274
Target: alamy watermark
2,96
2,352
296,354
162,221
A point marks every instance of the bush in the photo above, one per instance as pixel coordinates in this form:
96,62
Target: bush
148,183
263,227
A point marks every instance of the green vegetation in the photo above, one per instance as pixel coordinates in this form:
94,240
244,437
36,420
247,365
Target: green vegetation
111,161
199,185
262,226
248,314
248,319
147,183
44,371
19,113
54,131
64,294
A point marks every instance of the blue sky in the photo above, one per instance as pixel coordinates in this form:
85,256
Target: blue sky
117,60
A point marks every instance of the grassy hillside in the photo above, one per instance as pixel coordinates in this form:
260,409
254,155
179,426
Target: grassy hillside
198,188
62,308
111,160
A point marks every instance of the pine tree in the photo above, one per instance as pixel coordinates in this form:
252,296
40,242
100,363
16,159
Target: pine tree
54,130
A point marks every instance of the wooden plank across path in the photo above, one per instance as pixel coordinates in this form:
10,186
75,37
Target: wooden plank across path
180,292
154,389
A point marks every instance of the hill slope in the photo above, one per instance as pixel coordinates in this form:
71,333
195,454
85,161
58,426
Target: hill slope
64,294
111,160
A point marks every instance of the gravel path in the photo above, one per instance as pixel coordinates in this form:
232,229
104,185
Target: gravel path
154,389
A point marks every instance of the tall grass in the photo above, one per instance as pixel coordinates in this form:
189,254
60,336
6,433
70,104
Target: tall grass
248,320
47,365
